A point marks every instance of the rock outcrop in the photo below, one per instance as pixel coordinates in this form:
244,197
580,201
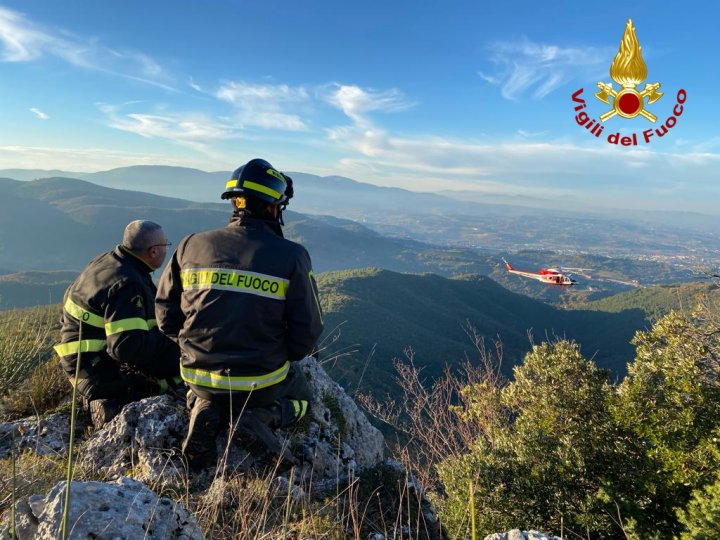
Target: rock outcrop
142,440
336,440
121,509
49,435
333,443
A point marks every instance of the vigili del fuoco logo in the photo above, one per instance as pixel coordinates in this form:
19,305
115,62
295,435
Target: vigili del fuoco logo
628,69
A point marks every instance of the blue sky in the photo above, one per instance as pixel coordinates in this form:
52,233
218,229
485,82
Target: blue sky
463,95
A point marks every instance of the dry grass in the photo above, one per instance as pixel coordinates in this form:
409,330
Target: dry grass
26,340
45,389
248,505
438,419
31,380
33,474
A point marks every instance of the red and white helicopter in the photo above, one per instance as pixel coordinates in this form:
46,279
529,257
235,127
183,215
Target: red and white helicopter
549,276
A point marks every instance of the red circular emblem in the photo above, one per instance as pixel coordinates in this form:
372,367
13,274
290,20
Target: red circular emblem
629,103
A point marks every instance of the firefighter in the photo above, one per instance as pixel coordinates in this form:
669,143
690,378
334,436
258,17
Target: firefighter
242,303
109,316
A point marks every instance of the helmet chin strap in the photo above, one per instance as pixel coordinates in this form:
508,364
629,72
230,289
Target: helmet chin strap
280,210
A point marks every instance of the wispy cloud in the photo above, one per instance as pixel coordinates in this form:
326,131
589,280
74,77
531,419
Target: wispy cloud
525,134
545,170
190,129
356,102
524,67
23,40
264,105
37,112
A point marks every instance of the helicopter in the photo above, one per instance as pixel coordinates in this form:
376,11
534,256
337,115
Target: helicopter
550,276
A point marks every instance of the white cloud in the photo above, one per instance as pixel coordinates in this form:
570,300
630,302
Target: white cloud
37,112
547,169
525,67
544,170
192,84
264,105
22,40
530,134
190,129
355,102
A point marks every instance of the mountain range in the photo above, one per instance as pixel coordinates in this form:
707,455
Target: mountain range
60,223
418,295
464,219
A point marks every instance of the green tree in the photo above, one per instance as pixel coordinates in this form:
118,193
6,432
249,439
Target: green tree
565,438
553,464
670,400
701,519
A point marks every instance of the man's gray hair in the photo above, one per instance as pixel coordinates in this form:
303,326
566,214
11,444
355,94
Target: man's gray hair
139,234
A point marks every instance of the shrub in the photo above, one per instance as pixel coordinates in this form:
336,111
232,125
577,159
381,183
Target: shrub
701,519
549,466
670,401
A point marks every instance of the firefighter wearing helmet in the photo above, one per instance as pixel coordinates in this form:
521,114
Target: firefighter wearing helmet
242,304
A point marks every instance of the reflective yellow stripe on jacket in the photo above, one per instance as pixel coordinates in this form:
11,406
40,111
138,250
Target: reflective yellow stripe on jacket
86,345
210,379
112,327
123,325
82,314
234,280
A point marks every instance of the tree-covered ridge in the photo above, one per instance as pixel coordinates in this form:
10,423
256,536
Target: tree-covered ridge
379,314
656,301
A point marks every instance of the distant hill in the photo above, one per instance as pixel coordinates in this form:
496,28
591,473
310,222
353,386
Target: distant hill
61,223
462,219
380,313
33,288
657,301
313,194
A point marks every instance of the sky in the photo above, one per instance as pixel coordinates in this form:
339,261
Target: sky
428,96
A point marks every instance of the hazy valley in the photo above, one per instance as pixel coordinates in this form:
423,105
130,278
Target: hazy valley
53,226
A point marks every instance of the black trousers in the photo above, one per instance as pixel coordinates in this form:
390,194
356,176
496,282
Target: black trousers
295,386
110,380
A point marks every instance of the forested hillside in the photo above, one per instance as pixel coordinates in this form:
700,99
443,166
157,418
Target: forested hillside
657,301
377,314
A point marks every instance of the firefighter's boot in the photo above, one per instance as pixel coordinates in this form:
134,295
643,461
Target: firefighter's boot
103,410
199,447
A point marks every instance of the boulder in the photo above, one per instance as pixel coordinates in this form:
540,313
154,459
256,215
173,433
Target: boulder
49,435
142,440
121,509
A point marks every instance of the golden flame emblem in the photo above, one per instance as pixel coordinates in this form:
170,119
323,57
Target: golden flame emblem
628,69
